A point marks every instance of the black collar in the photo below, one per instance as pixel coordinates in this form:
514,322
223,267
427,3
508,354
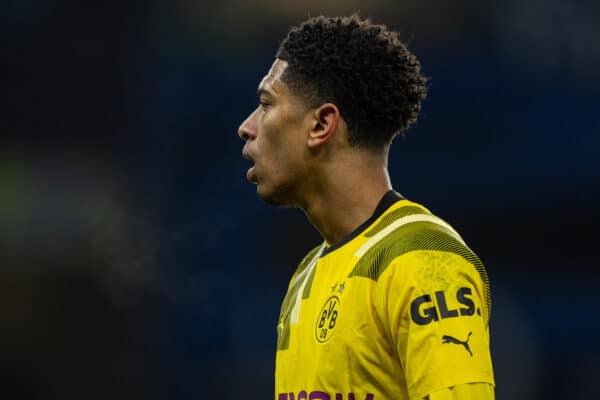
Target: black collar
386,202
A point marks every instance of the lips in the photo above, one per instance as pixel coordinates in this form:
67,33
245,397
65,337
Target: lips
250,174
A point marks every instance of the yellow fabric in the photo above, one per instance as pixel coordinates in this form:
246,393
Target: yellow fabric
469,391
353,337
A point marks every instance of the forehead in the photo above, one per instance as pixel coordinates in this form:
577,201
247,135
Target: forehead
272,81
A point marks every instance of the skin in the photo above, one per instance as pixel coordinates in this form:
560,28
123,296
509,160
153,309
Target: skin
302,158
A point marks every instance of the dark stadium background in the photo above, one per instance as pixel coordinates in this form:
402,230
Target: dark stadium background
136,262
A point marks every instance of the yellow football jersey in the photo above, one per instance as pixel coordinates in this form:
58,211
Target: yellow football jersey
397,310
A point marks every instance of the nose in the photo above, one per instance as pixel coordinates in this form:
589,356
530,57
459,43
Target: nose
247,129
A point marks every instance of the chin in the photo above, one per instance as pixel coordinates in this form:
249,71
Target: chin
275,196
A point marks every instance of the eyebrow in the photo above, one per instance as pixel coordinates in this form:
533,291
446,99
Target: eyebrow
262,91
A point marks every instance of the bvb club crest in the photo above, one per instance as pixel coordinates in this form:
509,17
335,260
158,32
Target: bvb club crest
326,319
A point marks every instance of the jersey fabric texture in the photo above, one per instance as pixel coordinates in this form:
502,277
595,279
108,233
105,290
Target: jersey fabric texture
397,310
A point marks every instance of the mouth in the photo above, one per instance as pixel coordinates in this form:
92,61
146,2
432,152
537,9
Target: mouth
250,174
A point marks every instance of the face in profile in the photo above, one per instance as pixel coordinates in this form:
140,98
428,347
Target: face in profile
276,135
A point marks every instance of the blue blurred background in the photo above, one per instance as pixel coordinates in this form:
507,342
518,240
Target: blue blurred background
135,260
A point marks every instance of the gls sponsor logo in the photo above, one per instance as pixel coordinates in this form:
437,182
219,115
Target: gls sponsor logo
317,395
423,310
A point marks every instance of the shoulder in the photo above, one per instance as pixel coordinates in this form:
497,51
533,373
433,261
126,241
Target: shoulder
310,256
414,245
408,228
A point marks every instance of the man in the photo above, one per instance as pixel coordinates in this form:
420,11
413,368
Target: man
393,304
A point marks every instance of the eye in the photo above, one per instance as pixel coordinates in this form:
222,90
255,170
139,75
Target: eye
263,104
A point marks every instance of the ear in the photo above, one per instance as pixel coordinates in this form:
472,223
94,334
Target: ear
323,125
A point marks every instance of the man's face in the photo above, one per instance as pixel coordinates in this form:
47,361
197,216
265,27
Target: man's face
276,140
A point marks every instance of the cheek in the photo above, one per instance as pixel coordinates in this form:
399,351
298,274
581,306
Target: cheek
273,137
281,141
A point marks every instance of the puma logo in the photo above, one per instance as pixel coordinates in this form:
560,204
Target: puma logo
450,339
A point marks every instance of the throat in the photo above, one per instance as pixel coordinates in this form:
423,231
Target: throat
342,220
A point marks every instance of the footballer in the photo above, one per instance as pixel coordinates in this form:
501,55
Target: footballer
393,304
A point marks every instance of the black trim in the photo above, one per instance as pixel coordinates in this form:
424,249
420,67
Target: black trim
386,202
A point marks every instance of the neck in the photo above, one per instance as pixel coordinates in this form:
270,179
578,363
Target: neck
346,195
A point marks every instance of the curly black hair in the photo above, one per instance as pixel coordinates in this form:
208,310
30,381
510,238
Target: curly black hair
361,67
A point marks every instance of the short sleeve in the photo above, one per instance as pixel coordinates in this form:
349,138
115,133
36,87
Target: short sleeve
433,308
